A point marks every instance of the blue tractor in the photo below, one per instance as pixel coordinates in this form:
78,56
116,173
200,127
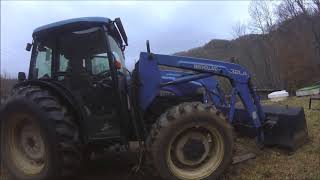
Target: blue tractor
79,98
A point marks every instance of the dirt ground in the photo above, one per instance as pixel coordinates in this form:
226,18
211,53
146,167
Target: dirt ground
270,163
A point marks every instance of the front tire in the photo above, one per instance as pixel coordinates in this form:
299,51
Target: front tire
191,141
40,140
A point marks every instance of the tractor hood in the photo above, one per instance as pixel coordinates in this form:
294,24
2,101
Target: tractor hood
152,79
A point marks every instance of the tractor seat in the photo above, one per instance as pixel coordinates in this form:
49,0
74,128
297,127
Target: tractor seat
77,76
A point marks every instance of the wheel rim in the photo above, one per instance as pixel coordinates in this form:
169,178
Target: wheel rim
26,147
195,152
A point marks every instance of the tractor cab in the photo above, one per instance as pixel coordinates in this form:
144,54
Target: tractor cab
85,56
83,43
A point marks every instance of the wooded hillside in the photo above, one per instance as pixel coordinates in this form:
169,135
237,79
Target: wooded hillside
283,53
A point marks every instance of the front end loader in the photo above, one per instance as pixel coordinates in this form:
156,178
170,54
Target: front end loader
272,124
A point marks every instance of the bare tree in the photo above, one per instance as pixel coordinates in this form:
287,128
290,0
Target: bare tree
263,21
239,29
308,14
262,16
316,30
289,9
316,7
303,8
309,10
286,10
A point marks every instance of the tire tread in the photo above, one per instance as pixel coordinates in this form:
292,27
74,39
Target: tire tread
173,114
67,134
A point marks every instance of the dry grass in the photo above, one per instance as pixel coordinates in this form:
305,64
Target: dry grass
270,163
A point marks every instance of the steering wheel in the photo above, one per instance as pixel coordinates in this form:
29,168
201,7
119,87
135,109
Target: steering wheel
104,73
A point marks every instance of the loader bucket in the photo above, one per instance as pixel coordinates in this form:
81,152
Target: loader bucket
289,131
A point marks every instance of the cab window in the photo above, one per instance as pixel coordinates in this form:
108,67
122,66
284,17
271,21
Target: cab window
99,64
63,63
43,62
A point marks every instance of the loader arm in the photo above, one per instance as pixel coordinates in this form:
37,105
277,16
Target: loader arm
238,76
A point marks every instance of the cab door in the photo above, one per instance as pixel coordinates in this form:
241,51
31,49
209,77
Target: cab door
103,100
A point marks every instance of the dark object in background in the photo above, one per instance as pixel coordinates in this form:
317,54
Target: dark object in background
314,98
21,76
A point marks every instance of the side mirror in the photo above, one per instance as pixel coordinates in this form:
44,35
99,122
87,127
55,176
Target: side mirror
21,76
121,30
29,46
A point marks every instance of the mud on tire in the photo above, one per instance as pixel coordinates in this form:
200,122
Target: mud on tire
40,140
199,125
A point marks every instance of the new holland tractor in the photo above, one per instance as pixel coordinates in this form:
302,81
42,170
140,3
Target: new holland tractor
79,98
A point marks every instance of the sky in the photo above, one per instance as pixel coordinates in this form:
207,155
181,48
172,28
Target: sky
170,26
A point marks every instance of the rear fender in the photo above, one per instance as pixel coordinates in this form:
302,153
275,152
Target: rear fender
67,97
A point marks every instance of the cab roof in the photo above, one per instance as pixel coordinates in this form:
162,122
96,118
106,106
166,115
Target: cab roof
76,24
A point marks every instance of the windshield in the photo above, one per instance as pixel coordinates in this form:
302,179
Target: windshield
116,51
100,63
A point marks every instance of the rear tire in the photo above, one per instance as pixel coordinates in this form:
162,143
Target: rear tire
191,141
40,140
